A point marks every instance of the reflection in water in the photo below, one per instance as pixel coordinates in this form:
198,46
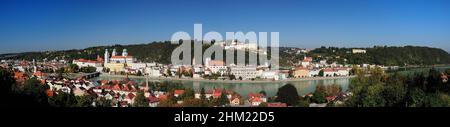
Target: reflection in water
303,87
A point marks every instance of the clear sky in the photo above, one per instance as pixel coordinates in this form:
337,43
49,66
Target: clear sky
38,25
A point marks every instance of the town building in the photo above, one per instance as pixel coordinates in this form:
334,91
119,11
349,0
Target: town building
301,72
243,72
355,51
216,66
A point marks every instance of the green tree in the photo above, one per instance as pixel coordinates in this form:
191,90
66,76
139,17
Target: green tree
84,101
223,100
188,93
140,100
103,102
6,82
263,92
139,73
37,91
63,99
263,104
287,94
72,68
303,102
203,97
232,77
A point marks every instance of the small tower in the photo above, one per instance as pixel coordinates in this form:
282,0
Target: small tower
124,52
34,66
114,53
106,59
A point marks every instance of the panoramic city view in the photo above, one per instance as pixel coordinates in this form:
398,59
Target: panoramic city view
232,53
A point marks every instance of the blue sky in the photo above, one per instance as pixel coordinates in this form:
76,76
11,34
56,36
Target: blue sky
38,25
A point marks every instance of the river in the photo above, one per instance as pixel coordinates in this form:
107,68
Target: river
271,88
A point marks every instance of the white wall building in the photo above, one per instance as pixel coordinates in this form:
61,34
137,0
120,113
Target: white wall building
246,72
354,51
313,73
153,71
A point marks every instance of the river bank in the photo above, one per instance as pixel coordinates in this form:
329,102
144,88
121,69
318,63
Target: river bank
105,75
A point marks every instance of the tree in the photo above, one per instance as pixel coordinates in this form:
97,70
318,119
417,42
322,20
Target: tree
192,102
263,92
6,82
170,101
88,69
321,73
72,68
140,100
103,102
332,90
303,102
63,99
37,91
232,77
188,93
169,73
223,100
287,94
139,73
203,97
318,97
263,104
84,101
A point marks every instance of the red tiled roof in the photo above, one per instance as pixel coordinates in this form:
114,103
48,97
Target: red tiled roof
19,75
328,70
162,97
117,87
277,104
153,99
104,81
121,57
255,99
39,73
301,68
87,61
255,95
216,63
49,93
307,59
179,92
130,96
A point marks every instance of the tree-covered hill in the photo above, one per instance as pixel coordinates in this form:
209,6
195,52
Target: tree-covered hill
161,52
383,55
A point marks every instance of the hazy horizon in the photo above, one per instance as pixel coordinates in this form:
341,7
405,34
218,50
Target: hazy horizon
64,24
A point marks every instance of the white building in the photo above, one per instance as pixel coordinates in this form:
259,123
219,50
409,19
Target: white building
313,73
89,63
244,72
153,71
342,72
125,58
270,75
354,51
216,66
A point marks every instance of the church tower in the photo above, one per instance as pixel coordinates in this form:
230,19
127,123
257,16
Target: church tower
106,60
114,53
124,52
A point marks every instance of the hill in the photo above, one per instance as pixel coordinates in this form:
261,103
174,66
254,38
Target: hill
161,51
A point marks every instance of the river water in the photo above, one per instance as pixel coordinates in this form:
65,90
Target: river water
271,88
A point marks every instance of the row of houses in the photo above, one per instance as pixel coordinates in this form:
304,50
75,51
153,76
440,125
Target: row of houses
301,72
